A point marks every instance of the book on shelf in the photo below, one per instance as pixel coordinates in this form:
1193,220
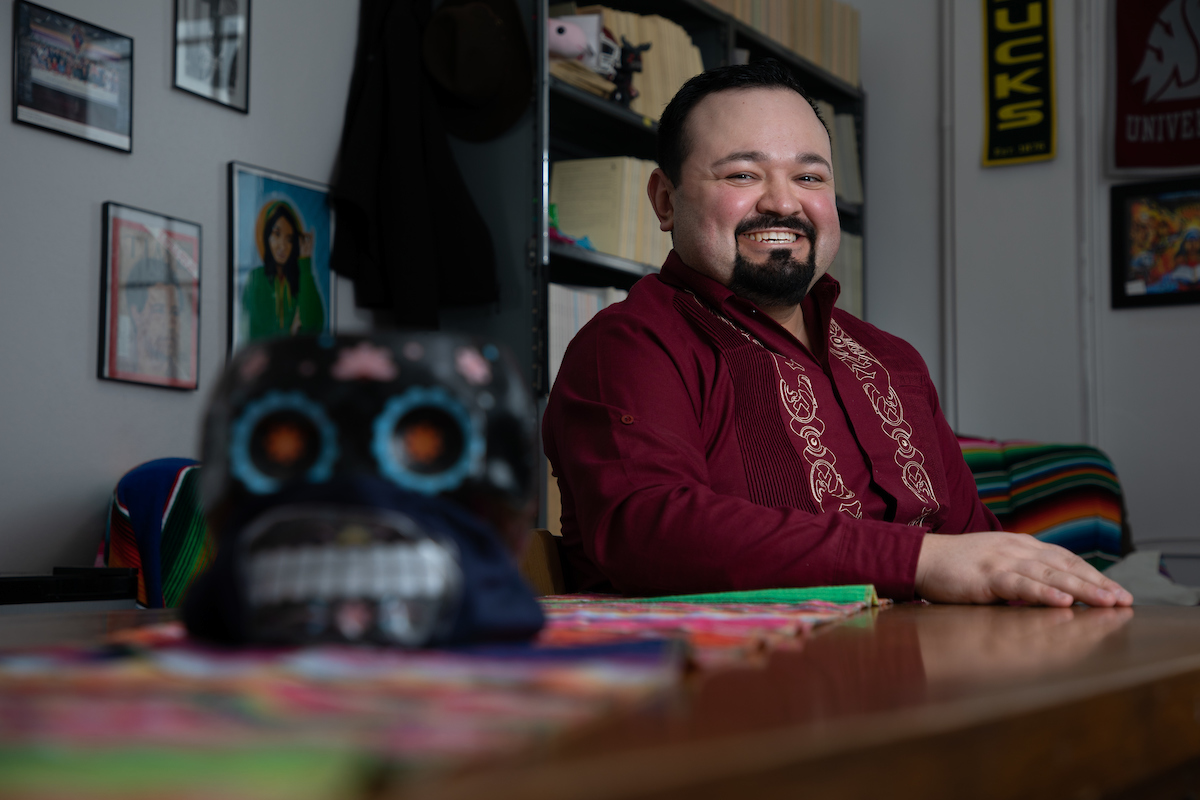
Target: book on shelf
605,200
572,307
847,269
823,31
843,142
581,77
666,66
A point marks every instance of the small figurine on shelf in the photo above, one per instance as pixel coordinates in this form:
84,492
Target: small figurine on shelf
566,40
631,62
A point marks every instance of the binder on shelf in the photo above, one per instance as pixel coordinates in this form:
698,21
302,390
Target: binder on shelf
572,307
581,77
605,200
823,31
846,133
843,142
847,269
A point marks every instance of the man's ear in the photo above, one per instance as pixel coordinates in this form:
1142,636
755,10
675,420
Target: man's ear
662,197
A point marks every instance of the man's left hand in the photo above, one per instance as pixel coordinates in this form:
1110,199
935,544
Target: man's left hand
995,566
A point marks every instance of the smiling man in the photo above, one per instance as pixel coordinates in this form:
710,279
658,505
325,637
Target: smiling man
726,427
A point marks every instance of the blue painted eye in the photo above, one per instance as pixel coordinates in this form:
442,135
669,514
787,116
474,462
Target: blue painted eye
279,438
424,441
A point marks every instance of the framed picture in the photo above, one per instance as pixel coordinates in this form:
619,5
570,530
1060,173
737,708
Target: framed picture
281,229
1156,243
72,77
150,299
212,50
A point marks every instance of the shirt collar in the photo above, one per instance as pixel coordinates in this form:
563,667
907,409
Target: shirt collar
817,304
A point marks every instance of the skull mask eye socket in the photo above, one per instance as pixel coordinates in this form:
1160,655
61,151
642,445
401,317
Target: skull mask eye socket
280,438
425,441
285,445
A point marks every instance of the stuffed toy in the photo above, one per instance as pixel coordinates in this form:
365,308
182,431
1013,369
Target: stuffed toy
566,40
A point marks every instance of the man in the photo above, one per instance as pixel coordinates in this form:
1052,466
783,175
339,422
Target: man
726,428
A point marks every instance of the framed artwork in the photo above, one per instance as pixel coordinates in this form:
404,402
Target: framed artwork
1151,107
281,230
1156,243
150,299
72,77
212,50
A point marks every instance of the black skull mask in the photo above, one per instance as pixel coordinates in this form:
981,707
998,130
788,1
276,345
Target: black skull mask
368,488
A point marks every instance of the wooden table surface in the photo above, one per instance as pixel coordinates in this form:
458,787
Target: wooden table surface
910,701
73,627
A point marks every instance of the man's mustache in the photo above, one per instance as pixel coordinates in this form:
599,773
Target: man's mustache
764,221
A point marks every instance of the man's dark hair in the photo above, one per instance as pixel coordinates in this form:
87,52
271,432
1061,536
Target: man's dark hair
147,272
674,144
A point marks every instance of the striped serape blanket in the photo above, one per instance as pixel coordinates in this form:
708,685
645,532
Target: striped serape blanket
719,629
156,525
1066,494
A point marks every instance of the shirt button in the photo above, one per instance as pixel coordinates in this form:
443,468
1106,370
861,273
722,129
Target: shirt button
627,419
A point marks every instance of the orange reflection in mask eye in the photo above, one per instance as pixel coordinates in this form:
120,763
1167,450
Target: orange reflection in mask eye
423,442
284,443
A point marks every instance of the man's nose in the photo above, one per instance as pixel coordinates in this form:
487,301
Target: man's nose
780,197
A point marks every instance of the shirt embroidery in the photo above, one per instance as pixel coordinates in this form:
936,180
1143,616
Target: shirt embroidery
877,384
800,402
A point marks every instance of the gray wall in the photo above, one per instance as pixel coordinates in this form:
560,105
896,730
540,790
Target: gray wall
899,64
66,437
1036,351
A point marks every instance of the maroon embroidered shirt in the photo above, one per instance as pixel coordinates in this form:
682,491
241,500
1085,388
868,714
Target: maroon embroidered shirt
700,447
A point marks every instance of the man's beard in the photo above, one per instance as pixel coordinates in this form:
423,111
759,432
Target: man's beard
782,279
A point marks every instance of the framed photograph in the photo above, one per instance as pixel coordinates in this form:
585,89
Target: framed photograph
281,230
150,299
72,77
1156,243
212,50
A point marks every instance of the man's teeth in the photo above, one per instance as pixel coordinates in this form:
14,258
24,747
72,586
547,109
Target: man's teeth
774,238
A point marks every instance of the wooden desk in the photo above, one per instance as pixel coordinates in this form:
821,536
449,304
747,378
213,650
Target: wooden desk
920,702
73,627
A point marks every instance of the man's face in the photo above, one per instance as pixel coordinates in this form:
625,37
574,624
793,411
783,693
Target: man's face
755,206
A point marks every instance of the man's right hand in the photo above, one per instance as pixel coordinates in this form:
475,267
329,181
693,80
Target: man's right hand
995,566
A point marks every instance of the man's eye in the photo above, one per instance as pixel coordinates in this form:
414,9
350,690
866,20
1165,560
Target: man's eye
741,176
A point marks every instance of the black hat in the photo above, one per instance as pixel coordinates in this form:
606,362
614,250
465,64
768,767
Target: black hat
482,68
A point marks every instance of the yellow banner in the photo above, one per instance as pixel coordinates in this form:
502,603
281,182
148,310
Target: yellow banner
1018,82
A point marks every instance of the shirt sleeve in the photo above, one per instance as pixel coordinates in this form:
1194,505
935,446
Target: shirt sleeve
623,431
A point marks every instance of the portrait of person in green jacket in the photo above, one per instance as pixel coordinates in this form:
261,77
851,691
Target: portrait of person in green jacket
281,297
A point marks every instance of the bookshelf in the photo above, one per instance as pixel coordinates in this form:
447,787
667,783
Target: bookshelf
576,124
512,174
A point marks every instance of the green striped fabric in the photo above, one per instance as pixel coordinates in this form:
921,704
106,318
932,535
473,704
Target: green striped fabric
1066,494
853,593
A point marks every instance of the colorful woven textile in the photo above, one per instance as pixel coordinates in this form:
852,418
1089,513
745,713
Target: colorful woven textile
850,593
1061,493
717,634
156,525
297,723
